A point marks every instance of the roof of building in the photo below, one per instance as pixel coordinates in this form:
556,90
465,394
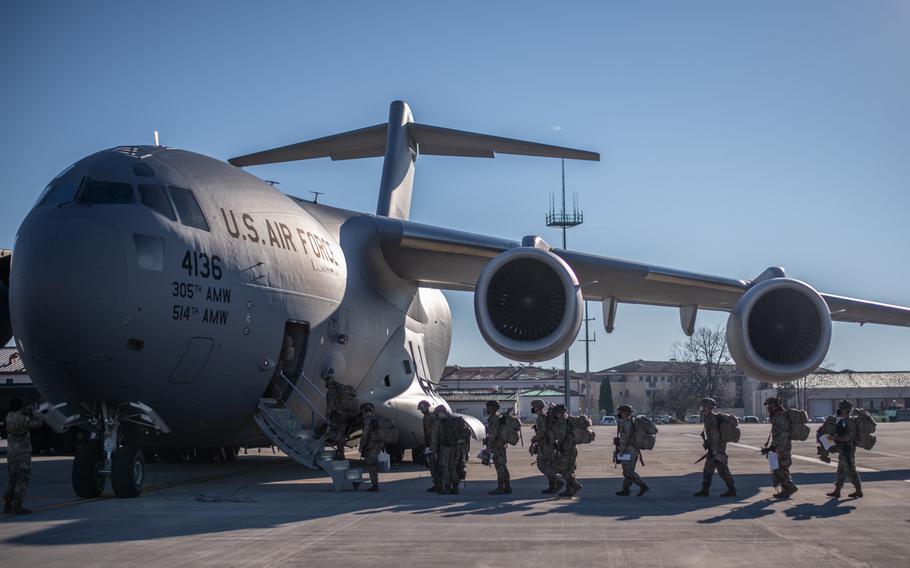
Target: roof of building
863,379
454,373
10,362
544,392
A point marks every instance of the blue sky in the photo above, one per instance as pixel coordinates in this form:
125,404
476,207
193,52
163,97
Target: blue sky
734,135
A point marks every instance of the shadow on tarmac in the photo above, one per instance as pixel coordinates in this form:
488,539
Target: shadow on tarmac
272,496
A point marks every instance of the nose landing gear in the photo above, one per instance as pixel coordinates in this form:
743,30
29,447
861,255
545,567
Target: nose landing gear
124,464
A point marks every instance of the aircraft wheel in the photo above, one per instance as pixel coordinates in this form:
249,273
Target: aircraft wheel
88,481
128,471
231,452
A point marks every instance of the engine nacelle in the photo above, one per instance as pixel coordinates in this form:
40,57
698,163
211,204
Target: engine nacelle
528,304
780,330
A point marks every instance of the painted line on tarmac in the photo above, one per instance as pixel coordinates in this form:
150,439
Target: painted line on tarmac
794,456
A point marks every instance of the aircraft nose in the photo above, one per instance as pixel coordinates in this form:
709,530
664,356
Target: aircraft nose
67,288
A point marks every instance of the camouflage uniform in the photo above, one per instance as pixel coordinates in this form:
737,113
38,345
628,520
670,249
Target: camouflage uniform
546,453
429,421
18,457
497,447
845,430
370,446
560,434
717,454
447,452
627,446
783,447
340,400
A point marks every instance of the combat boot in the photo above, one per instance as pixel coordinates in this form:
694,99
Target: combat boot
454,489
551,488
730,492
643,488
500,489
624,493
573,488
836,492
859,491
7,506
373,488
506,486
435,489
703,493
18,509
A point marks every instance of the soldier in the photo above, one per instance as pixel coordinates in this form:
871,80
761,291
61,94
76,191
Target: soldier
19,422
625,444
561,438
371,443
542,447
340,408
781,445
446,437
716,458
845,438
429,420
496,445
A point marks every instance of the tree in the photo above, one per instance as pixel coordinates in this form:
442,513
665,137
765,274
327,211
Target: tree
703,368
606,396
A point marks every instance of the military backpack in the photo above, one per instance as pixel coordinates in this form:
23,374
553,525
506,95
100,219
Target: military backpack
582,431
386,431
510,429
728,425
865,429
799,429
644,433
346,400
453,430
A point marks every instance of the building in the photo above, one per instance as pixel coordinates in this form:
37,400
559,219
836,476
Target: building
819,393
645,385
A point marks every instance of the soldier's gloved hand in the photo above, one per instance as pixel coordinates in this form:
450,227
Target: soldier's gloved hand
706,445
766,450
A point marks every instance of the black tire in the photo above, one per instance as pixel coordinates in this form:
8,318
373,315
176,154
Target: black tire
88,481
231,452
128,472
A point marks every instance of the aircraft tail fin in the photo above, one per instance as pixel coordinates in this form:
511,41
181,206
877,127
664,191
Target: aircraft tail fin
401,140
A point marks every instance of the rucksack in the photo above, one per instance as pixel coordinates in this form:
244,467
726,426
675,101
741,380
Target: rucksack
799,430
510,429
582,431
865,429
828,427
728,425
644,433
449,431
346,399
386,431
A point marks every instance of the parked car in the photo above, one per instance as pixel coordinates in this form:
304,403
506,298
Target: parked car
818,419
694,419
608,421
750,420
662,419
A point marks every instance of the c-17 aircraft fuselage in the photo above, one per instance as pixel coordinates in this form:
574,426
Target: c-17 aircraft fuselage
118,299
165,298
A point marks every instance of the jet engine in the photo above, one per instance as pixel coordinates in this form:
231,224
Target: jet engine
6,327
528,304
779,330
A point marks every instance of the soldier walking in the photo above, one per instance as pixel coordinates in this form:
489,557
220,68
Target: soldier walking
371,443
561,438
782,446
429,421
496,445
845,438
20,421
543,448
625,444
716,458
446,438
340,408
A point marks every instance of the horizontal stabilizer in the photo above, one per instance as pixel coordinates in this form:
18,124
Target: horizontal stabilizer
370,142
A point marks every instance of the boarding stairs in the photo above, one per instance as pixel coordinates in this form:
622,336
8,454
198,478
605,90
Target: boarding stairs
288,432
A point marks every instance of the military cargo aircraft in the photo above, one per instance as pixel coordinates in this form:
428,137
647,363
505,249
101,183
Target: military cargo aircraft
164,298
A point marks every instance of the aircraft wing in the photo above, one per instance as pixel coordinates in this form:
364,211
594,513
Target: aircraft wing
453,260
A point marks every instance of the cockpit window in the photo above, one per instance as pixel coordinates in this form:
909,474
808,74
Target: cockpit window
59,193
153,196
188,208
97,192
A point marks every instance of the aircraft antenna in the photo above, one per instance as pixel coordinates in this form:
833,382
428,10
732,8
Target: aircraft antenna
156,139
316,195
565,220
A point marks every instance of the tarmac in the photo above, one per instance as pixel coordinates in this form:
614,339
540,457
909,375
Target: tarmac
264,510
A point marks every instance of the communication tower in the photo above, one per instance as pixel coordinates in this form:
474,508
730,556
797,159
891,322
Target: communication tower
565,220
